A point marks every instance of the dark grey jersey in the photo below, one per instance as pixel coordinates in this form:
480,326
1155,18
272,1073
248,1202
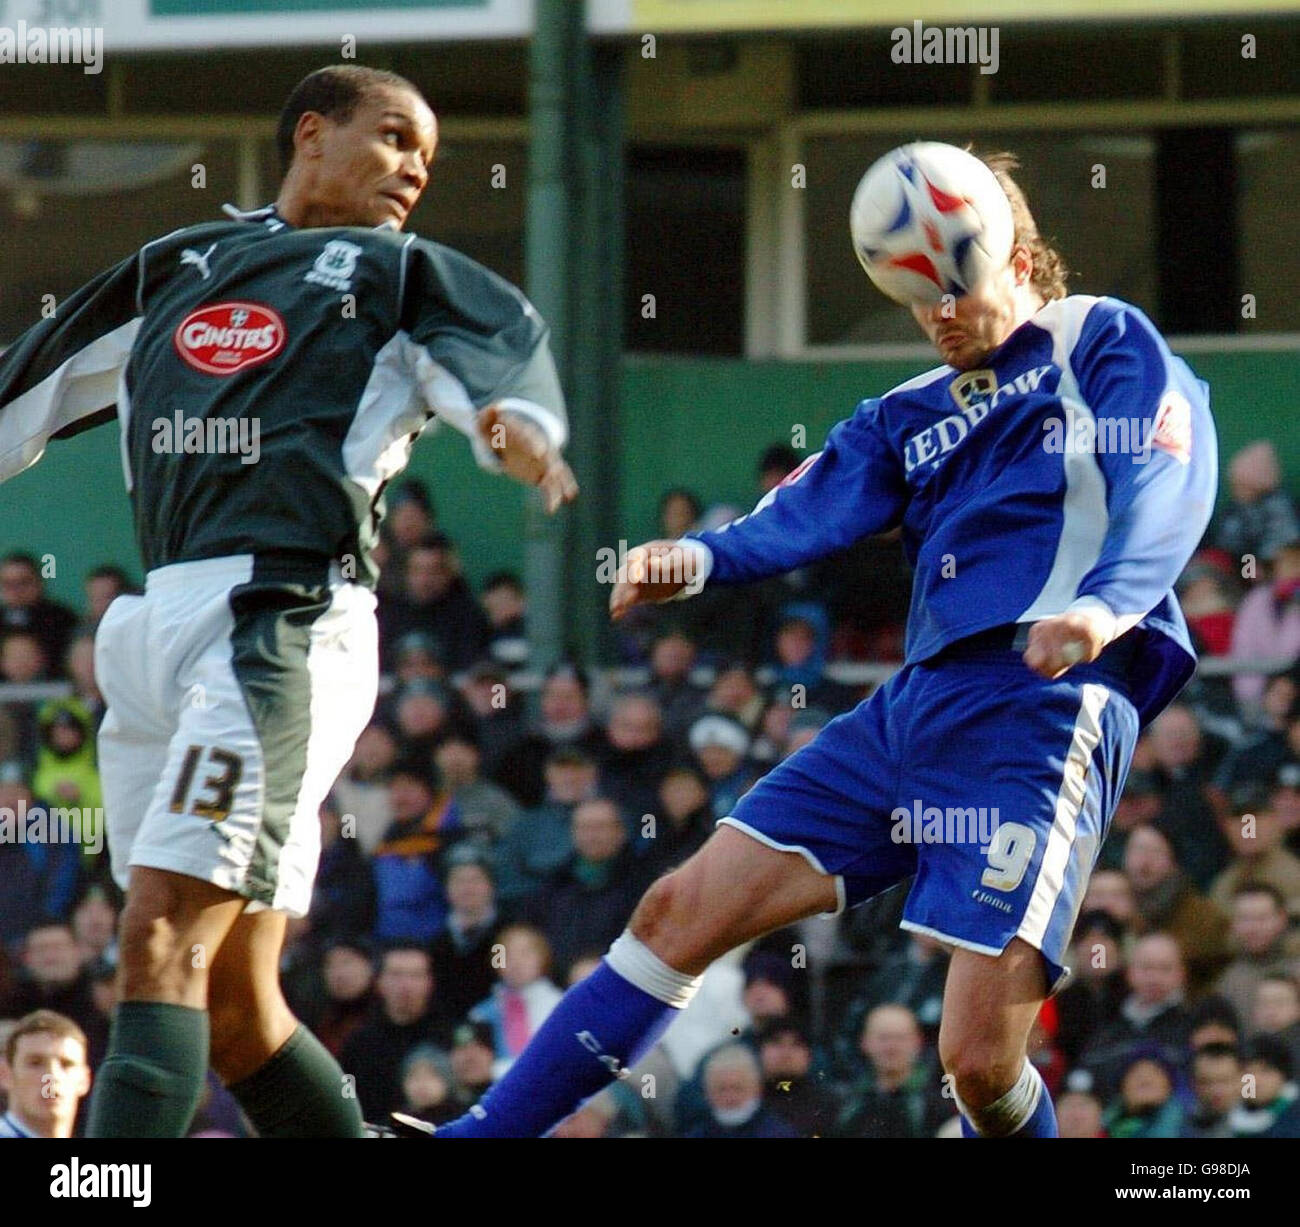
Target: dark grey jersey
269,381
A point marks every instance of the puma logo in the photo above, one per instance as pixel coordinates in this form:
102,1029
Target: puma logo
199,261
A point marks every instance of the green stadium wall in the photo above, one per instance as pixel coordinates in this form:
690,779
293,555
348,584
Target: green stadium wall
694,423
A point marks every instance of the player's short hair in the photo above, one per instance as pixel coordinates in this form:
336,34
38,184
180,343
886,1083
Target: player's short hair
334,92
1050,271
44,1022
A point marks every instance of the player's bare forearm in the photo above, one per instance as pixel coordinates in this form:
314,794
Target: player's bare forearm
527,455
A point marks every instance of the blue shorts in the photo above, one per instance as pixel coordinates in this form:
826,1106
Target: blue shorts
994,786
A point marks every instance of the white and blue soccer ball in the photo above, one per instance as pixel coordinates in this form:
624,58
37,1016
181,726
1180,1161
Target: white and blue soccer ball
930,219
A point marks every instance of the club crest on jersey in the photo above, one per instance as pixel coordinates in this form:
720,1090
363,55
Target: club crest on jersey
226,337
976,393
335,266
973,388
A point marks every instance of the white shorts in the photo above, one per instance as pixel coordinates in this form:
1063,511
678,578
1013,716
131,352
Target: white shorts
234,702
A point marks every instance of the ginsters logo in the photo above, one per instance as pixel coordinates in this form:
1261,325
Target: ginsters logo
229,336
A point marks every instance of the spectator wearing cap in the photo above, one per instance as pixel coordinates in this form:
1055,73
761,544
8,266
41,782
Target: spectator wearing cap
721,746
427,1085
1260,516
1276,1012
587,904
564,721
348,972
636,757
539,844
683,819
1261,943
362,788
462,952
733,1090
672,658
421,713
343,899
473,1056
1168,902
1260,858
1217,1085
896,1094
24,607
410,904
410,519
524,995
435,599
419,657
505,605
1152,1018
1267,626
1093,997
1277,742
407,1013
1274,1109
792,1090
487,811
1184,757
1145,1106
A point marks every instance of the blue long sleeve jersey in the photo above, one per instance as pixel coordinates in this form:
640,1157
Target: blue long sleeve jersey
1075,472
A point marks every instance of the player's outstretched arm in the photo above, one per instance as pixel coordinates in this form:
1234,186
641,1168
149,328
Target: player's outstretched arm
61,376
653,572
854,487
527,455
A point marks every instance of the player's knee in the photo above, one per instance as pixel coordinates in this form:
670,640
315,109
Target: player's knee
667,920
981,1073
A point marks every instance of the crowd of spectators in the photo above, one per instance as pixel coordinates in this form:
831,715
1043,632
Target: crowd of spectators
484,846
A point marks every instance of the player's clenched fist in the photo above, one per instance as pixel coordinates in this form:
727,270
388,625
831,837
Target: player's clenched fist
656,571
1057,644
527,455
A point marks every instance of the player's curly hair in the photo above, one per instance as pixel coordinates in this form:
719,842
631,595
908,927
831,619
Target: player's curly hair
1050,271
333,92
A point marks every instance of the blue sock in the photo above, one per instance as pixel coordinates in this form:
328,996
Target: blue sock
602,1025
1041,1122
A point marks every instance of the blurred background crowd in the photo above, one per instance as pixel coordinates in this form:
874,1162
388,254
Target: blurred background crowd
495,828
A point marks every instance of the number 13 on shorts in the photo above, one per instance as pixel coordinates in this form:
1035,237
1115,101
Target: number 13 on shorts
211,794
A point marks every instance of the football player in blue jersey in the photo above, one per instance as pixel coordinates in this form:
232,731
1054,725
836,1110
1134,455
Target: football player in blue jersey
1051,479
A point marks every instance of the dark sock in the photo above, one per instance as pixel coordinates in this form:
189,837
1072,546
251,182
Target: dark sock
152,1078
300,1093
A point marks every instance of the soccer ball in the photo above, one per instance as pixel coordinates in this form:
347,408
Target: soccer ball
930,219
